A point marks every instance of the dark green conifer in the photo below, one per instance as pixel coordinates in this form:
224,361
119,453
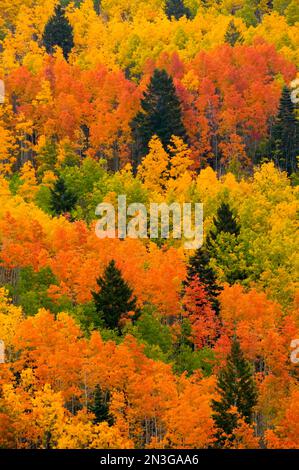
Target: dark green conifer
176,9
58,32
237,388
160,115
285,134
115,297
233,35
100,406
62,200
224,222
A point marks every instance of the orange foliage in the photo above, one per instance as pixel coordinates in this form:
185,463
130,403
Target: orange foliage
203,320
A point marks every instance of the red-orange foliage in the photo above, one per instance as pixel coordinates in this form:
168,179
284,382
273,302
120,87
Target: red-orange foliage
77,257
228,91
203,320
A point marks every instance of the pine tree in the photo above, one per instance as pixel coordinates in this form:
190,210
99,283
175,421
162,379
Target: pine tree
199,265
223,245
285,134
225,221
62,200
233,35
237,390
176,9
100,407
115,298
58,32
161,115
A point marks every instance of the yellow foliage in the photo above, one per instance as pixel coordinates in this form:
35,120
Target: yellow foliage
29,185
180,157
153,170
7,147
10,317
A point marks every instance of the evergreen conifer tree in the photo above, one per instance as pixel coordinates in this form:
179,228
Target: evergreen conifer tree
223,245
62,200
237,389
115,297
225,221
285,134
58,32
233,35
176,9
100,406
161,115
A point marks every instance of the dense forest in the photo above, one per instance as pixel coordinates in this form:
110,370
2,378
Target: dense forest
142,343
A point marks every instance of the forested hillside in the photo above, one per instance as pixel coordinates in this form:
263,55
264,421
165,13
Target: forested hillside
140,342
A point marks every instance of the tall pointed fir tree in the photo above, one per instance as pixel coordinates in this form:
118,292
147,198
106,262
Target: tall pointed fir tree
62,200
100,406
58,32
284,140
114,299
160,115
199,266
225,221
176,9
223,245
233,35
237,390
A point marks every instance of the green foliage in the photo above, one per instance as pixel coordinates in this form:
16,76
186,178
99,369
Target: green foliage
100,406
115,298
229,258
233,35
161,114
236,388
91,183
97,6
71,157
150,330
285,134
88,183
176,9
87,317
62,199
32,290
47,156
281,5
250,12
193,6
43,199
14,183
225,221
187,360
292,13
223,246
